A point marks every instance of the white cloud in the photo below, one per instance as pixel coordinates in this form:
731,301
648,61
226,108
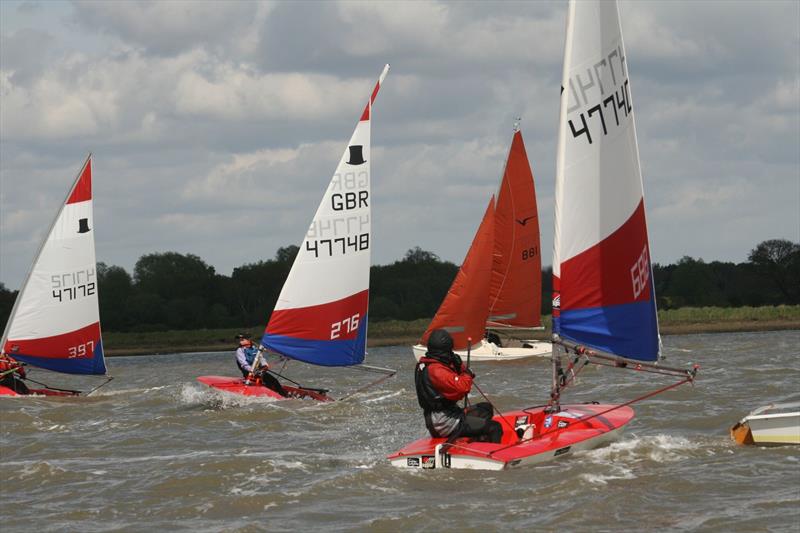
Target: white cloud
224,121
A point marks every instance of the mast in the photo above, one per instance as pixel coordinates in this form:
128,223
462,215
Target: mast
555,356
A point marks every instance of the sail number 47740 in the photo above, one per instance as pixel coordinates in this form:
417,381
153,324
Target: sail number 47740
640,273
348,325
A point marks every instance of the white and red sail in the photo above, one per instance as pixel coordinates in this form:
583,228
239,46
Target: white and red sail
602,275
463,311
321,314
515,293
55,322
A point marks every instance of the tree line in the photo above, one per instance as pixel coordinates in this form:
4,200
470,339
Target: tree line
180,291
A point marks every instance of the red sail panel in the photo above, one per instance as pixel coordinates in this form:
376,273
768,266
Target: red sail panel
463,311
515,295
83,187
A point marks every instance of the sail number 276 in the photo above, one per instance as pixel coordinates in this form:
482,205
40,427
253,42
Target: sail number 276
348,325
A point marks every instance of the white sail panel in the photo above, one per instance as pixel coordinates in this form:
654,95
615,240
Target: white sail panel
603,292
334,258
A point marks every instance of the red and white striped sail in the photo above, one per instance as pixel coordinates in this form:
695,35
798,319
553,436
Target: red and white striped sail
515,295
321,314
602,277
55,322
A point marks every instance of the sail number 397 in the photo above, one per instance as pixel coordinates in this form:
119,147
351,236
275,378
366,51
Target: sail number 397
348,325
82,350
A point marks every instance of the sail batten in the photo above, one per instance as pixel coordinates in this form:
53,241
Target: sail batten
321,314
603,293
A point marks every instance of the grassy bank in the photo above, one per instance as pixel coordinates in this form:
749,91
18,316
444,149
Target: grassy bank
392,332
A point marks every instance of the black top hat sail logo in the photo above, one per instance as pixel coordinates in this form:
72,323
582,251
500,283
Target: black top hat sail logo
356,155
83,225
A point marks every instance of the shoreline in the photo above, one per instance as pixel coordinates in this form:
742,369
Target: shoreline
408,339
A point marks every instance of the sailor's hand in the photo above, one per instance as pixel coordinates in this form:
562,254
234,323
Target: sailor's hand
250,378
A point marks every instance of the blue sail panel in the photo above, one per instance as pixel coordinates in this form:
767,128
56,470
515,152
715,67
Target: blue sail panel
337,352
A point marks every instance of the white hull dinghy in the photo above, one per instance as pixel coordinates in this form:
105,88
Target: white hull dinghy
773,424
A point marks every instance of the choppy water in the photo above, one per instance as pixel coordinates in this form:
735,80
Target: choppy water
156,450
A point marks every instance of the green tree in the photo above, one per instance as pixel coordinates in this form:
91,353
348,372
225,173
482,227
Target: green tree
778,260
114,289
7,299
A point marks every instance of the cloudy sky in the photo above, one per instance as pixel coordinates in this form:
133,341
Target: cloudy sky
216,126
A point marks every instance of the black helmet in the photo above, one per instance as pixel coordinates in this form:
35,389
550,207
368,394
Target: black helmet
440,342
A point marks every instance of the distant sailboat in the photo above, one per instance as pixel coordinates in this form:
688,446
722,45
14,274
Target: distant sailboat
499,283
55,321
604,301
321,314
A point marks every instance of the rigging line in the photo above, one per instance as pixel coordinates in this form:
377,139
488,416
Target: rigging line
103,384
650,371
368,385
688,379
76,392
493,406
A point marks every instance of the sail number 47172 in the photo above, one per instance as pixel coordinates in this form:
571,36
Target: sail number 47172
348,325
640,273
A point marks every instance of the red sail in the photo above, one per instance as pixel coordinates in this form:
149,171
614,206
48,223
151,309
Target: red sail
463,311
516,290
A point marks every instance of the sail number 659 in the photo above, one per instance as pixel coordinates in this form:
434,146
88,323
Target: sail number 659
348,325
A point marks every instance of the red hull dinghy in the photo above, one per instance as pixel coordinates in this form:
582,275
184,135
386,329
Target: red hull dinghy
530,436
320,317
604,303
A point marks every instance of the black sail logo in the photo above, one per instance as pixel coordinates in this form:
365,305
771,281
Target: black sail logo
83,225
356,155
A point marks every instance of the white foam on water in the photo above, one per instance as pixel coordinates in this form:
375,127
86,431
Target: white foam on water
120,392
383,397
616,472
659,448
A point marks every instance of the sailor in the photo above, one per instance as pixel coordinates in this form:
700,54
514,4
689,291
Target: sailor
442,380
11,375
245,358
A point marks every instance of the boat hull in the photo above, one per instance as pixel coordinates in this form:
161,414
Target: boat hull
544,437
5,391
238,386
770,425
488,351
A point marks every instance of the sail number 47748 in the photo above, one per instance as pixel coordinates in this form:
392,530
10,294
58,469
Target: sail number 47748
348,325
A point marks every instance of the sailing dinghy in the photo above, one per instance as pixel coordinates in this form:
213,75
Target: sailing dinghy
320,317
55,321
604,308
499,283
770,425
